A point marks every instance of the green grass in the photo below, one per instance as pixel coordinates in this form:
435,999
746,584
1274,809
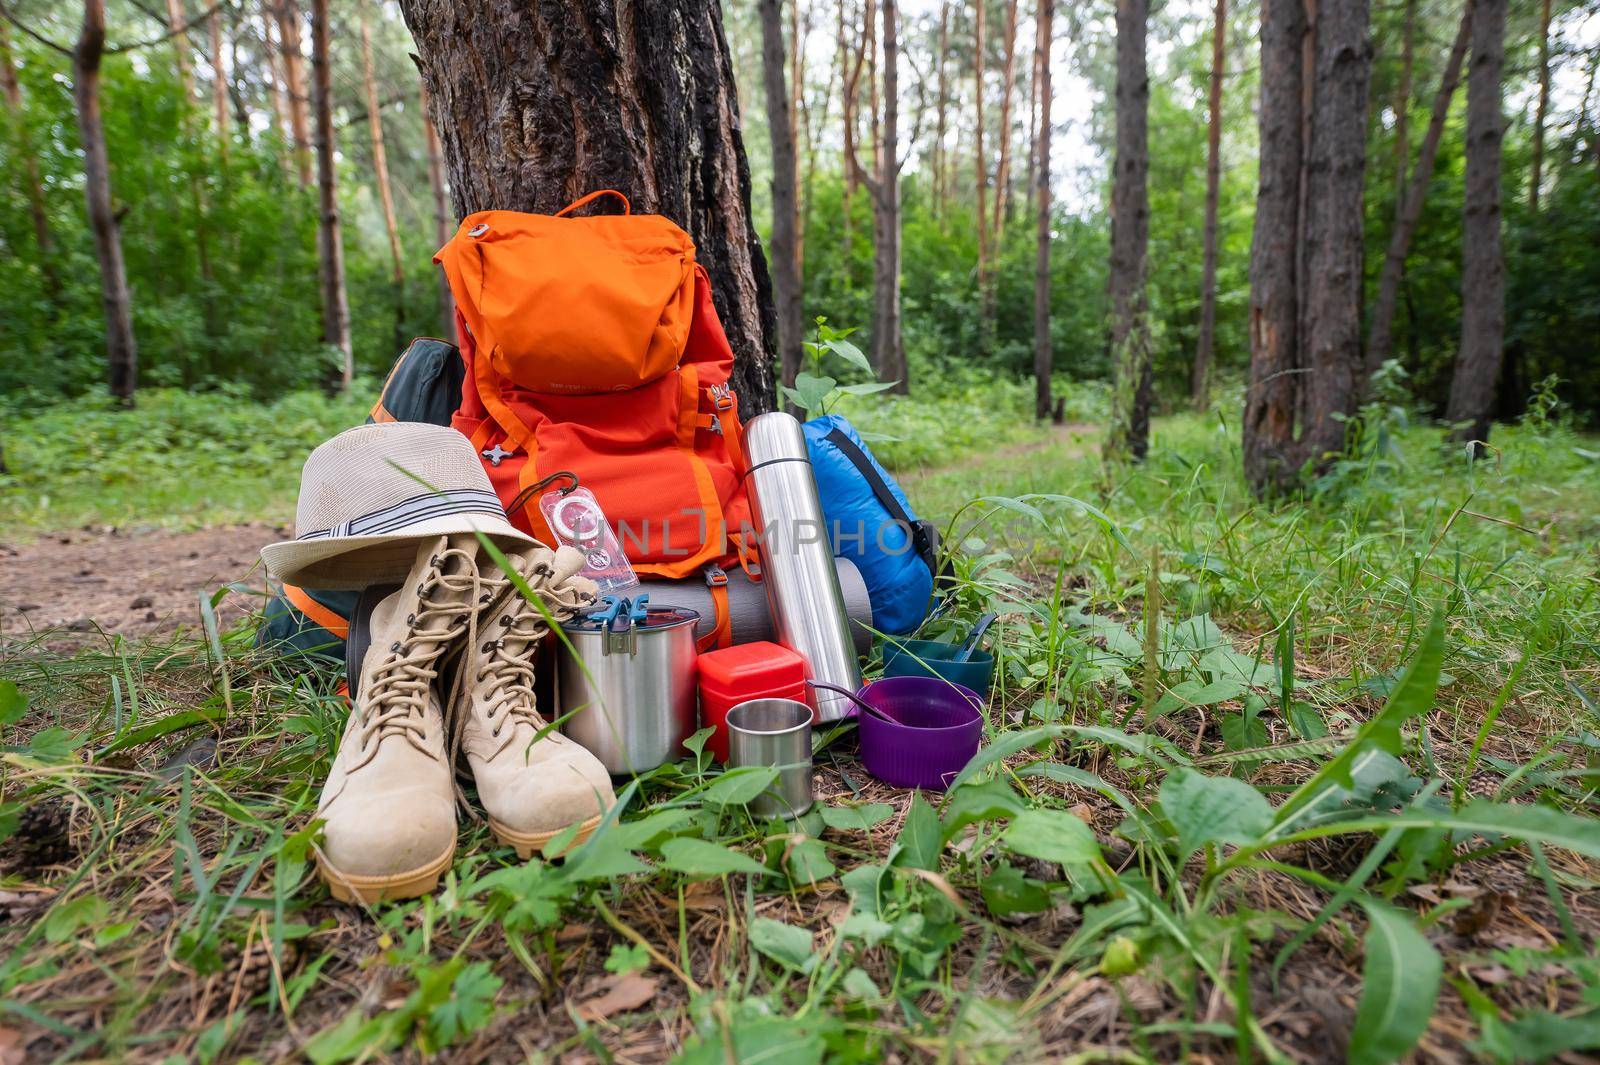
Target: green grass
1246,765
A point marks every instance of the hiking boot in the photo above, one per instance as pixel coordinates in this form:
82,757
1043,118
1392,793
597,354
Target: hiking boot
389,804
533,782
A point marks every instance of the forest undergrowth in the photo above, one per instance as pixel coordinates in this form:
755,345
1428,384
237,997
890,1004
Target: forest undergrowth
1310,780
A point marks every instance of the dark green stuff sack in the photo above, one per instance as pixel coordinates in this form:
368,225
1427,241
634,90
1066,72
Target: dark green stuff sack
423,386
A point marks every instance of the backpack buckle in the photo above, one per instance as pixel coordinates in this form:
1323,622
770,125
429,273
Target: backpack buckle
716,576
722,396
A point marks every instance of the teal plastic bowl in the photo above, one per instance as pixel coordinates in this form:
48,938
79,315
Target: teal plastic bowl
930,658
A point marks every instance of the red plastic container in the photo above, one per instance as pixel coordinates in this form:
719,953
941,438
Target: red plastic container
745,671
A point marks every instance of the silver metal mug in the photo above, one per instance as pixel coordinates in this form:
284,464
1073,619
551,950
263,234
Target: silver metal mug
630,687
774,732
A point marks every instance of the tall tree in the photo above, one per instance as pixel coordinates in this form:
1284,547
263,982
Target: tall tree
1002,175
33,185
1042,349
443,223
888,349
287,14
785,175
981,175
1200,383
1380,329
380,168
1305,259
1130,238
539,105
940,162
177,25
1541,109
330,242
219,81
1402,106
1483,280
122,353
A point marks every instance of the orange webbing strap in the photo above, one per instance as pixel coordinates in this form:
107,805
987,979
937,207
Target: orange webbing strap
338,626
627,208
713,521
721,634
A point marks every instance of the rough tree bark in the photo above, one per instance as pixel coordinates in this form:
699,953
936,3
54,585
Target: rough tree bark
539,103
940,191
1483,281
380,166
1305,271
1042,350
1536,164
122,353
1200,383
294,70
330,244
780,124
1402,107
38,213
1130,238
1002,175
177,24
219,81
444,224
883,189
1269,419
1380,331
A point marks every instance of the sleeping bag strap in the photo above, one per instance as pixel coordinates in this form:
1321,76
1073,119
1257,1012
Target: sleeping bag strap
721,634
924,536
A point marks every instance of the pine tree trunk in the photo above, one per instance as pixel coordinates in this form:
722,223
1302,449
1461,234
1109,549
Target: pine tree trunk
1483,282
1200,383
1130,238
1042,349
981,178
219,82
850,62
122,353
272,75
294,70
1269,419
330,244
177,24
1380,330
888,350
1402,108
1002,177
1541,110
380,166
443,224
940,191
538,104
780,124
38,213
1330,291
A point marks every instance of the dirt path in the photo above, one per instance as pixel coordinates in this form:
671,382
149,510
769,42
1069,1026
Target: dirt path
92,582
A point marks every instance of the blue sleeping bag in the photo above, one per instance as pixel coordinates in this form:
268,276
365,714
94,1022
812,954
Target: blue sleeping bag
872,524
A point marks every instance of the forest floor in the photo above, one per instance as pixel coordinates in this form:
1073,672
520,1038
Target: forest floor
1130,871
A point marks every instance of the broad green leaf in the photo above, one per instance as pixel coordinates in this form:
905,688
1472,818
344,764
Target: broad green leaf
1191,693
1052,835
1006,891
469,1007
1400,983
1413,695
1212,810
989,800
66,918
856,818
919,842
698,857
859,986
849,353
785,944
649,831
1225,662
736,787
808,862
1198,633
608,859
867,388
758,1041
13,704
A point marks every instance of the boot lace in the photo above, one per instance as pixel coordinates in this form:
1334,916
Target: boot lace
451,594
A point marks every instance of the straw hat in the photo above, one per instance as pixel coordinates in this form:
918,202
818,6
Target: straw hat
372,493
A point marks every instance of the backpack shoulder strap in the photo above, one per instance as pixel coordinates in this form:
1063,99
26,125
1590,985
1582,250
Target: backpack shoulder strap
924,535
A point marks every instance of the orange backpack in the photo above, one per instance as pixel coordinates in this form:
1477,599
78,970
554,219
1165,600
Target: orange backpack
592,346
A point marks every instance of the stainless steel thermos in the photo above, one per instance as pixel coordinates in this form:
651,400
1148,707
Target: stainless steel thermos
808,611
629,689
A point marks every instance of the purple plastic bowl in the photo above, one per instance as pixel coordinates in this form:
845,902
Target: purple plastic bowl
940,726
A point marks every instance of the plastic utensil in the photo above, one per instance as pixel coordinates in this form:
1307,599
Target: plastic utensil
978,631
854,698
929,753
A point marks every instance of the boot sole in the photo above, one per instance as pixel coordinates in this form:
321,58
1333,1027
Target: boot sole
525,843
369,890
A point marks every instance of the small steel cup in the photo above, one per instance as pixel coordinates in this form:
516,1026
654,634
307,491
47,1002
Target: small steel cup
774,732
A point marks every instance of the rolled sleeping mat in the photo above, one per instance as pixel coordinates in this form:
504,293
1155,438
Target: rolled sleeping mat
748,614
